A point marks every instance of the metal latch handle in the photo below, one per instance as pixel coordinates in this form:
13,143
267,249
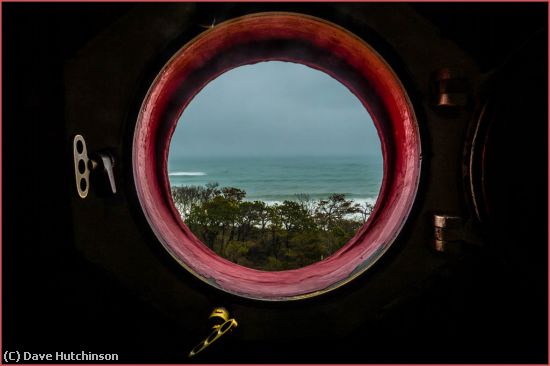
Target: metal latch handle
103,162
219,314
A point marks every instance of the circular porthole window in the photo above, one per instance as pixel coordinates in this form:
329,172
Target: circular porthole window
275,166
201,177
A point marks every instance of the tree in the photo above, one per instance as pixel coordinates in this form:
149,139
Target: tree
248,217
332,215
306,202
331,211
234,194
214,218
209,192
365,209
282,236
306,248
262,212
238,252
276,229
295,217
200,223
185,197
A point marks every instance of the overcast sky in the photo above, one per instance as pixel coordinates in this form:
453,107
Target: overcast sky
275,108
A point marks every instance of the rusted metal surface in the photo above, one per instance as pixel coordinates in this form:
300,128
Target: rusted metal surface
293,38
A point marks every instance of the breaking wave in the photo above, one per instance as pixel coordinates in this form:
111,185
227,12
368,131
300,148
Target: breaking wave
187,174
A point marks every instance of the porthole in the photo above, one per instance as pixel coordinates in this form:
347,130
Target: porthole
275,166
298,39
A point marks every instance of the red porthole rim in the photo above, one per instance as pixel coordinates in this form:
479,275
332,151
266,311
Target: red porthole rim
315,43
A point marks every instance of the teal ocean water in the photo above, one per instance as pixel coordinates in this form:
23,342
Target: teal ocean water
275,179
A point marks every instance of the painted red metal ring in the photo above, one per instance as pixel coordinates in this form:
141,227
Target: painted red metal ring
293,38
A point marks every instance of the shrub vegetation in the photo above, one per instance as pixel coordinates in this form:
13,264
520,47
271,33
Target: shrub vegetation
292,234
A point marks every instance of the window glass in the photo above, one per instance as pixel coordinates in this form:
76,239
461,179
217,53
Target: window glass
275,165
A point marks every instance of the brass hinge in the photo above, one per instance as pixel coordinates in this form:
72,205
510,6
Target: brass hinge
450,231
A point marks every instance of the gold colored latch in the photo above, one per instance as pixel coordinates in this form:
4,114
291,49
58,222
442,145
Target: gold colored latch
225,325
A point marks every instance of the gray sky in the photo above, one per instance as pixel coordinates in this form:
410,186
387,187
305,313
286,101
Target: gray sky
275,108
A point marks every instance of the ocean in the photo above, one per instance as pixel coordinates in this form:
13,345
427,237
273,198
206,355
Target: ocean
275,179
